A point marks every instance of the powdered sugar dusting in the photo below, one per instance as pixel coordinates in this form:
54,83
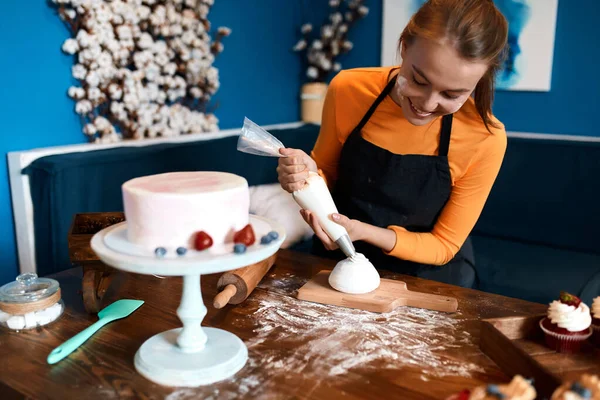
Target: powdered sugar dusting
331,340
318,342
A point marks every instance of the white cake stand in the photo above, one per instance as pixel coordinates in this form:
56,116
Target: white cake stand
193,355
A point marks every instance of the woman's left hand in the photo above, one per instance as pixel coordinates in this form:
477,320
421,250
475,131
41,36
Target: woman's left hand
353,227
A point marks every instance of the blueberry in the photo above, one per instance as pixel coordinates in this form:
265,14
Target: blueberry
494,390
181,251
160,251
265,239
239,248
581,390
273,235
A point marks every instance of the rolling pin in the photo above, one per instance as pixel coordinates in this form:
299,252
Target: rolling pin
235,286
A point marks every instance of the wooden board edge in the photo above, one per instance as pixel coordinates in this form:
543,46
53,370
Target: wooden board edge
367,307
514,361
9,393
530,321
513,317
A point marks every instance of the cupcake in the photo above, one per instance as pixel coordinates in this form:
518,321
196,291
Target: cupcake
567,325
596,321
518,389
585,388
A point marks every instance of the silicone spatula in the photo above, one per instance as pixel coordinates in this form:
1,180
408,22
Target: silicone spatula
117,310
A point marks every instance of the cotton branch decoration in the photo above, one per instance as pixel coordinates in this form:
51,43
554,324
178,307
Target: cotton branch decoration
145,67
331,41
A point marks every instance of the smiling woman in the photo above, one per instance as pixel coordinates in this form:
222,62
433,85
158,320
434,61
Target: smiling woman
476,31
410,153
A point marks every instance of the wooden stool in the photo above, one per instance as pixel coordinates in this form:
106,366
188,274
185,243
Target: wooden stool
96,275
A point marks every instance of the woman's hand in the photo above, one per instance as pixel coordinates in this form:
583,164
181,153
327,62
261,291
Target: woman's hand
383,238
353,227
293,169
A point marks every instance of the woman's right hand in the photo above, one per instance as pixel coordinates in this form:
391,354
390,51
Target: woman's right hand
293,168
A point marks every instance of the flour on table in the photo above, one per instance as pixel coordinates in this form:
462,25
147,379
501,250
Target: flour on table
319,342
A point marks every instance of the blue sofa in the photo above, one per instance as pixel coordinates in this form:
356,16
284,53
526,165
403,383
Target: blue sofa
536,236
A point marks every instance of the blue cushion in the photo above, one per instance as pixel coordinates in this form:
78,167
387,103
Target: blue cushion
591,289
533,272
303,246
546,193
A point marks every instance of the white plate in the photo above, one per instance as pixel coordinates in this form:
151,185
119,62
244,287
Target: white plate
113,248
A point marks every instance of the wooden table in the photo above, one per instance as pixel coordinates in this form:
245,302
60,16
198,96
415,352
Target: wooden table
296,349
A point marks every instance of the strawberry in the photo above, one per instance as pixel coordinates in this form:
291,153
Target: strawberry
569,299
464,395
245,236
202,241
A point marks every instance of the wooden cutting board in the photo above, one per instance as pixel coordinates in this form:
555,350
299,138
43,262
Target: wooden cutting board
389,295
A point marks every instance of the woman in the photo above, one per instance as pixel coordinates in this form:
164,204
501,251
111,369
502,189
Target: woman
410,154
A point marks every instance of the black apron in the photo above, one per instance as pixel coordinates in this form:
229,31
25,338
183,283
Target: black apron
381,188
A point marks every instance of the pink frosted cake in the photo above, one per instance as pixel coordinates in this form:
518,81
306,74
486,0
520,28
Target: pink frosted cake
183,210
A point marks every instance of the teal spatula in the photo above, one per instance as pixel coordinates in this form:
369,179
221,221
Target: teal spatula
117,310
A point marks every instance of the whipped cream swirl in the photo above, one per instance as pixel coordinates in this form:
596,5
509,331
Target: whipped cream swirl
354,275
573,319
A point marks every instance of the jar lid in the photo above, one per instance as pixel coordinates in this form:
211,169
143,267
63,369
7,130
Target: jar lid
28,288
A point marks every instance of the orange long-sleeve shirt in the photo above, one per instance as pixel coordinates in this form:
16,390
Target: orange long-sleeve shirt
475,156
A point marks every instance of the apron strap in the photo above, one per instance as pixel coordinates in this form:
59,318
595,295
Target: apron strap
380,98
445,135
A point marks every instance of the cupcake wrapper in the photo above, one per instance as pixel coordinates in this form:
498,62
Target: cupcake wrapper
564,343
596,335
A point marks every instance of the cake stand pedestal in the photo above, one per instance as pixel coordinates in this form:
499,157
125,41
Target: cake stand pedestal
193,355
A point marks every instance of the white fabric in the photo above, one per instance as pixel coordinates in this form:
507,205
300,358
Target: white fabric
272,202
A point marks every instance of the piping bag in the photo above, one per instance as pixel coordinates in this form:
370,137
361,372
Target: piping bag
314,196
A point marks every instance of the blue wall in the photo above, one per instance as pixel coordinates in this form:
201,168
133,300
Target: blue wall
260,77
575,94
34,109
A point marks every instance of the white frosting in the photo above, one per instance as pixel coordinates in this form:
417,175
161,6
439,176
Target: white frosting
596,307
588,381
568,317
354,275
571,396
167,210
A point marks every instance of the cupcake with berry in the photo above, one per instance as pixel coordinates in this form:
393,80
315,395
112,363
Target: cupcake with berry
585,388
567,324
596,321
518,389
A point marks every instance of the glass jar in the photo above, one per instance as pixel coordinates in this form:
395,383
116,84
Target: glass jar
30,302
